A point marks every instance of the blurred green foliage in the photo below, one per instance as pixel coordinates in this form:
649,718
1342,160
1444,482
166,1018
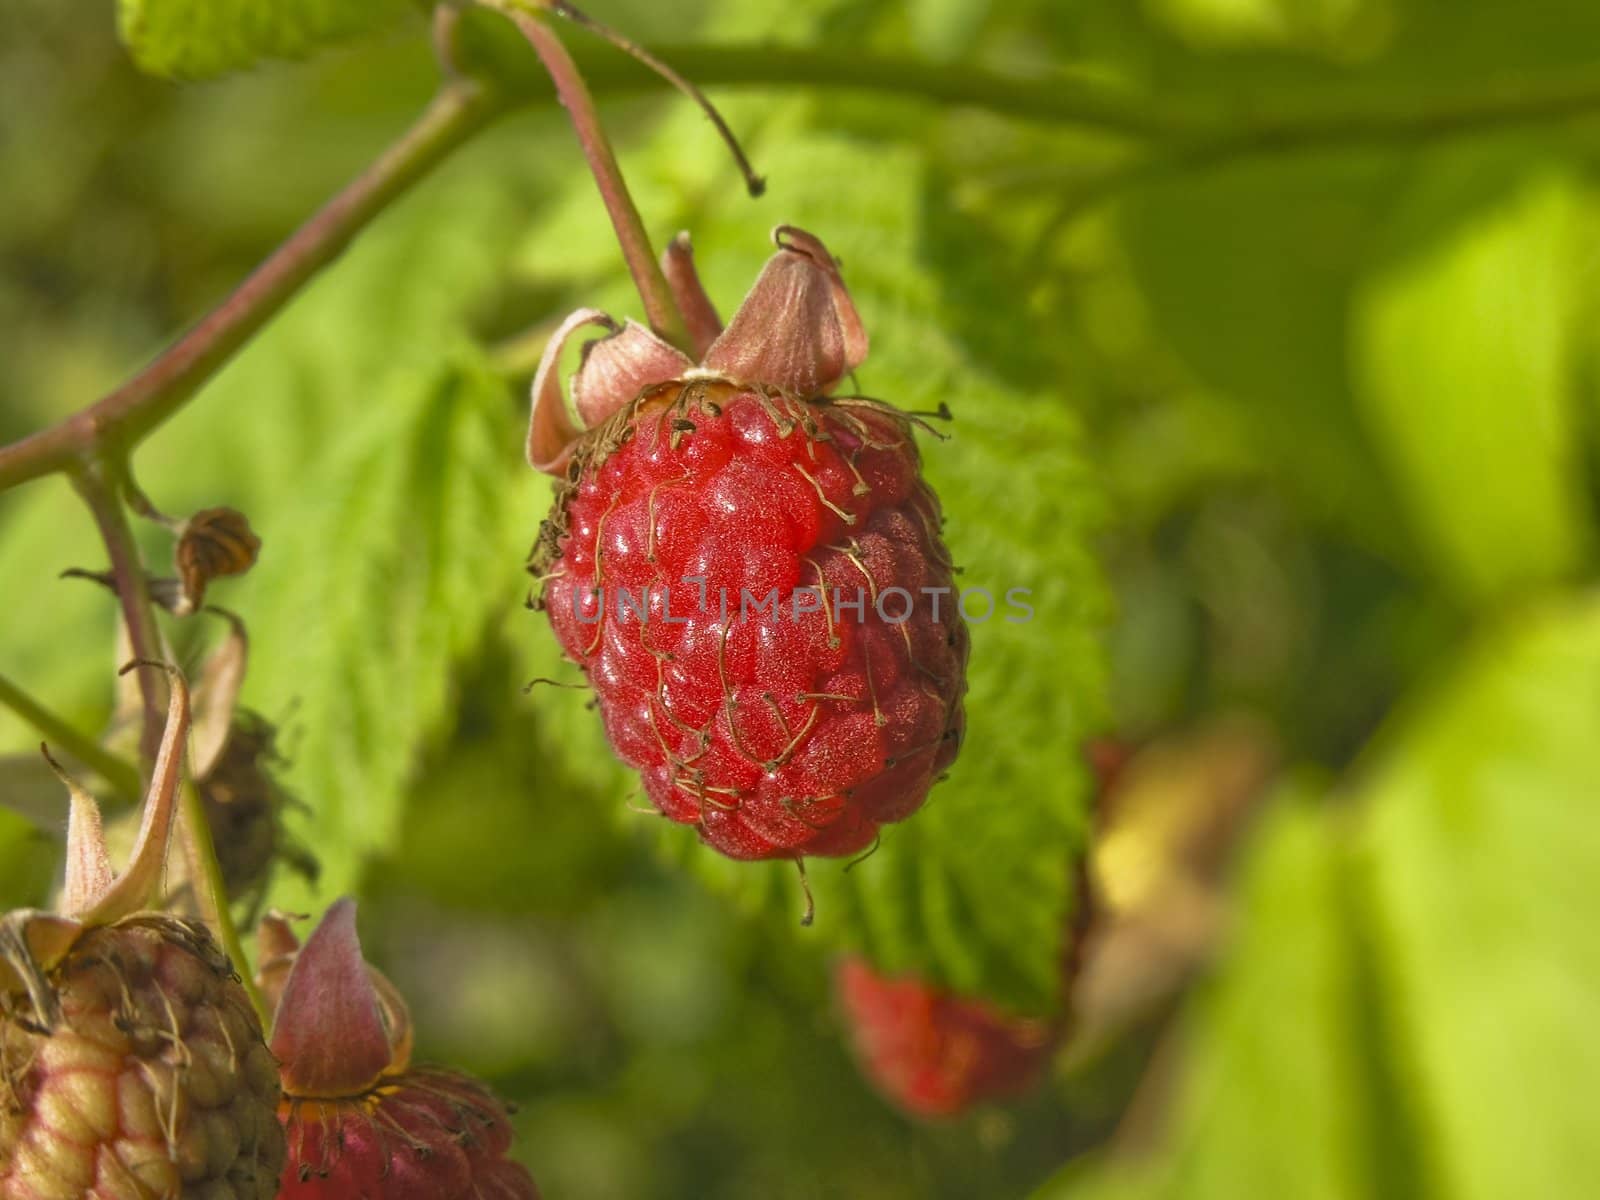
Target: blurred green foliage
1302,425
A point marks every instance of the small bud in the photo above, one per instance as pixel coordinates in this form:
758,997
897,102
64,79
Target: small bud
212,543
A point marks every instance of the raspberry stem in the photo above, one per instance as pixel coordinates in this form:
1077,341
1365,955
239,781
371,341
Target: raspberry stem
102,484
659,306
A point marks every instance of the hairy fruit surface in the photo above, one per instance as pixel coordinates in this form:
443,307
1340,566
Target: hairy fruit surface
933,1053
751,574
135,1068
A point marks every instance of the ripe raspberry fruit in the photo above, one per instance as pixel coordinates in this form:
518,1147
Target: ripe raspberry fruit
750,571
131,1062
362,1123
933,1053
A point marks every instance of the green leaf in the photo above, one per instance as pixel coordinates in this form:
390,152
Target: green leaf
1279,1022
975,890
28,859
1464,343
1416,967
1247,273
1484,862
390,560
197,39
380,461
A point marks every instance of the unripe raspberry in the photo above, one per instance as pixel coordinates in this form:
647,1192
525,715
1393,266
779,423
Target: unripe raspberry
750,572
132,1065
933,1053
138,1070
362,1123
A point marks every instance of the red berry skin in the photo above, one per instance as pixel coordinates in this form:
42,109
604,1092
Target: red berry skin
776,731
935,1054
423,1135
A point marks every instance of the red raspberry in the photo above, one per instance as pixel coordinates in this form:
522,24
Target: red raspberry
933,1053
750,573
362,1123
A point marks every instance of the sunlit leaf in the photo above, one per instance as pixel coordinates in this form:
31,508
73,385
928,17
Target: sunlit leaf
1415,965
193,39
1464,347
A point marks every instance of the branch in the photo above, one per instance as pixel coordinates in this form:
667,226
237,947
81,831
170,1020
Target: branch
102,484
119,420
1057,98
1067,99
1185,134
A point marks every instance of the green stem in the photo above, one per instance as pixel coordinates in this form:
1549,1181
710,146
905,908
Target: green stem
211,890
1062,99
1055,98
120,775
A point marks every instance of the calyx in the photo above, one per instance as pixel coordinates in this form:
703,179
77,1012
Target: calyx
797,331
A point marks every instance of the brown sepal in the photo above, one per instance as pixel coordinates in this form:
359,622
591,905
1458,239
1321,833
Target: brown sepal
614,370
798,329
699,314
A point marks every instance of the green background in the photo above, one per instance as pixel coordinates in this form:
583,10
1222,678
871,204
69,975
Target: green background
1267,328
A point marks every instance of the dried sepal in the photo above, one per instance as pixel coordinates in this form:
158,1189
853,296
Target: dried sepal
31,943
797,332
137,887
339,1027
616,369
214,542
277,946
551,431
216,696
798,329
88,875
699,314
